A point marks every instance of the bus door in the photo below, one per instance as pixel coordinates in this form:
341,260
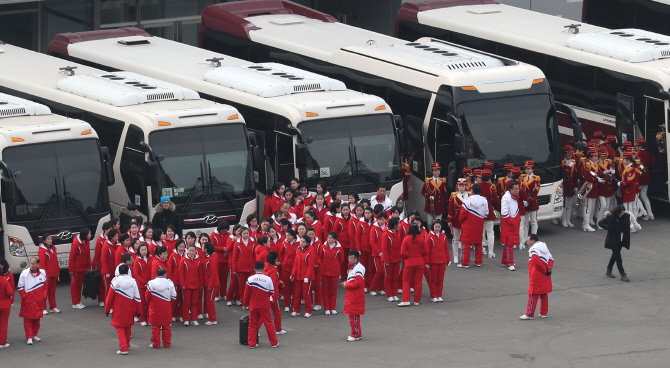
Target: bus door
445,131
263,175
285,167
626,127
654,123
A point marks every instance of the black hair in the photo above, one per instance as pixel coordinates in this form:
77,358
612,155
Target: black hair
323,186
364,201
124,237
414,213
311,213
278,214
45,236
250,218
618,209
140,247
310,229
179,242
83,233
126,257
106,226
112,233
302,185
382,215
295,180
114,221
378,208
414,230
435,222
354,253
263,240
161,271
533,237
476,189
5,266
123,269
201,235
209,248
291,232
160,250
307,239
171,227
511,185
191,234
393,222
222,225
144,233
132,207
395,209
259,266
157,234
334,206
333,235
284,221
238,226
272,257
276,186
355,195
267,219
381,186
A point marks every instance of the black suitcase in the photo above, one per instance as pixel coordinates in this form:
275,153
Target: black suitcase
91,285
244,330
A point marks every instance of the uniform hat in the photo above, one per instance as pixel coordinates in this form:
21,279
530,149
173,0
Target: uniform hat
529,163
611,139
602,150
568,148
516,170
627,144
478,172
486,173
467,171
435,165
509,167
630,149
462,181
628,155
598,135
640,142
593,151
488,165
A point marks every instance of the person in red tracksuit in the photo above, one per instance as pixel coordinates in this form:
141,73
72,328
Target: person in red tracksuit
262,229
438,258
540,265
258,298
363,230
320,207
311,220
211,282
49,263
159,296
233,295
475,209
243,258
273,202
190,279
376,232
161,260
124,299
107,258
124,239
354,300
142,274
79,265
341,227
172,263
171,238
262,249
332,256
287,258
330,218
414,254
271,270
97,260
391,244
316,244
219,239
33,286
302,276
6,301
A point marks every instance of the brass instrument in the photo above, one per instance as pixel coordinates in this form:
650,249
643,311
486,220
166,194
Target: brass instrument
497,214
642,167
584,190
661,140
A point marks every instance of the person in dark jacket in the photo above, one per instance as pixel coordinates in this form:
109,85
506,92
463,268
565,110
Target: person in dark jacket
126,215
617,225
165,215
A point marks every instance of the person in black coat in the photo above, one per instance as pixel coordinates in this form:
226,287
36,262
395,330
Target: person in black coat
165,215
617,225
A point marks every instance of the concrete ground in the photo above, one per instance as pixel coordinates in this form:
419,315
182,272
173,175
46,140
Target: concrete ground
593,321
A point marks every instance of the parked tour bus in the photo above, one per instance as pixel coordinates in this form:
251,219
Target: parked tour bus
650,15
460,107
164,140
312,127
617,81
54,179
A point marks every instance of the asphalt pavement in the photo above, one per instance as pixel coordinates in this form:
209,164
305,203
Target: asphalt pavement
593,321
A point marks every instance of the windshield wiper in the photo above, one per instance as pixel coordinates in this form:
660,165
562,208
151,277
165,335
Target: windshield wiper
213,181
360,167
70,198
340,176
546,168
46,210
189,199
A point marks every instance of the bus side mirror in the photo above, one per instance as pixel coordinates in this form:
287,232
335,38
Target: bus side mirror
301,153
665,95
152,172
257,158
459,147
109,166
8,190
398,123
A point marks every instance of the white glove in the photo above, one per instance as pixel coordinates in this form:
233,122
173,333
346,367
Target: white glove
271,299
380,255
601,180
449,264
431,197
592,173
525,204
571,164
427,266
618,184
306,280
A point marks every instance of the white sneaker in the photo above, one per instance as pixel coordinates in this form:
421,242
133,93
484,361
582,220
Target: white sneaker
514,246
434,300
317,307
333,311
461,266
200,316
523,246
45,312
645,218
216,299
282,298
122,352
382,292
302,302
136,319
373,293
36,339
229,304
143,324
211,323
180,319
484,252
365,290
638,227
206,315
478,265
307,315
511,268
415,303
403,304
186,324
351,338
396,299
440,299
152,346
287,309
4,346
195,323
399,291
29,341
525,317
274,346
541,316
328,312
390,299
411,290
55,310
237,302
282,332
174,319
102,304
78,306
294,314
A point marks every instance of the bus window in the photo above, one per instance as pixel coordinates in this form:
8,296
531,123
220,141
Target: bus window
441,132
651,16
472,42
109,131
654,120
608,83
519,54
571,82
366,83
285,170
132,168
610,13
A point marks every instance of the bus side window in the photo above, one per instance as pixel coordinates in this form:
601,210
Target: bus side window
366,83
571,82
440,131
531,57
473,42
651,16
264,122
284,148
609,83
132,168
109,131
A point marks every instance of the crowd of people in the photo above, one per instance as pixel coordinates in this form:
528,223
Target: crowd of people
307,244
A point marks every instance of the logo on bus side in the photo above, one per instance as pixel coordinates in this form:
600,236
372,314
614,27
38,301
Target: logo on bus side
210,219
64,235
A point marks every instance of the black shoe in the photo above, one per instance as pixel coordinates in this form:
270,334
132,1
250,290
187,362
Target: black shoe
624,277
609,273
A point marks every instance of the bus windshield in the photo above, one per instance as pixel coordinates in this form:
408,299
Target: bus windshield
56,180
204,164
354,151
512,130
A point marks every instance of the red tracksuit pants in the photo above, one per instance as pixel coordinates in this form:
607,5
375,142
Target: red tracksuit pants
316,287
507,258
366,260
392,279
123,334
288,288
189,306
143,304
532,303
223,279
302,291
52,282
436,283
177,303
413,275
276,315
210,309
256,317
156,332
329,284
378,278
355,323
233,289
402,272
31,326
201,298
76,282
242,282
4,320
466,254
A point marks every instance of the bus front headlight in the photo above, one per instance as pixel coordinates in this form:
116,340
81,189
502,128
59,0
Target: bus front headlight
558,196
16,247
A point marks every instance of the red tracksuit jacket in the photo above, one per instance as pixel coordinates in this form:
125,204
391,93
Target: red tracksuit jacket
261,253
472,220
329,221
142,270
391,245
243,256
220,242
287,254
353,225
124,299
271,271
80,255
342,229
438,247
6,293
107,259
303,267
363,229
97,257
9,276
331,259
159,295
49,260
156,263
354,299
414,252
190,272
211,272
376,239
320,213
258,291
173,263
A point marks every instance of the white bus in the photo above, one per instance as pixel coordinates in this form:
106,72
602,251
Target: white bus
345,138
164,139
459,107
650,15
54,180
617,81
